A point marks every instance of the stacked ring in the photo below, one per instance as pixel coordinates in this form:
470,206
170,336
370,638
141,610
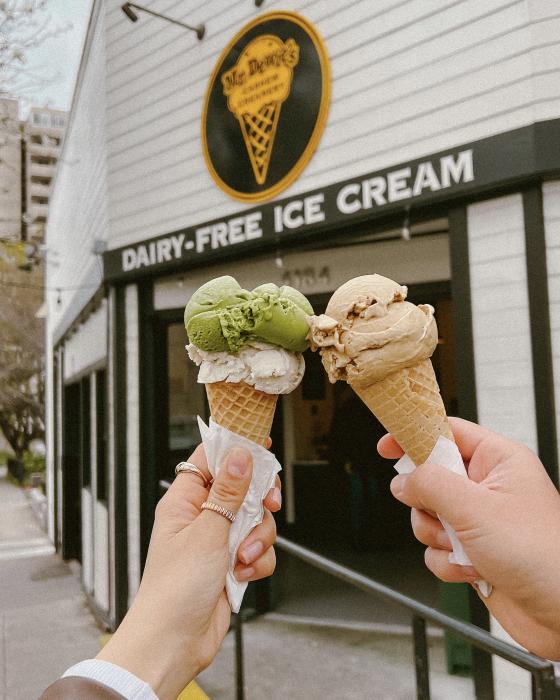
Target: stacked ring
189,467
229,514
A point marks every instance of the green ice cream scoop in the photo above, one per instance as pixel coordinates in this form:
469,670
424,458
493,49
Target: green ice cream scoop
221,315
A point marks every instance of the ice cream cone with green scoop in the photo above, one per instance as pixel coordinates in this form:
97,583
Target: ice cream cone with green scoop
248,346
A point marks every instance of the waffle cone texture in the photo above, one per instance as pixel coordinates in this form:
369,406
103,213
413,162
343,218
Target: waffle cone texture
242,409
409,405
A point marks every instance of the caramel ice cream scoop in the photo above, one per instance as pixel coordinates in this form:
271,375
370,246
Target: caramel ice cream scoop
369,331
381,344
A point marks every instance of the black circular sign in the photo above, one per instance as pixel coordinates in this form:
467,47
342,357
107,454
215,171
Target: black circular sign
266,106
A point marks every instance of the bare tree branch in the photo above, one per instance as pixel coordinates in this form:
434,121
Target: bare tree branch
24,25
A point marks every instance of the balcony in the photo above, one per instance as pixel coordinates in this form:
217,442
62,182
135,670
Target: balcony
46,151
38,210
41,170
37,189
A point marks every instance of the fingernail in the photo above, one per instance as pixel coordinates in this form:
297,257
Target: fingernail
276,497
237,463
442,539
245,573
398,484
251,552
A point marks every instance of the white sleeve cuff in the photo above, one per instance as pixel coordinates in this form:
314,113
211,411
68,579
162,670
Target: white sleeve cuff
114,677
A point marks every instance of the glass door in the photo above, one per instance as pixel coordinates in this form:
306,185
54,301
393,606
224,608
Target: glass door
186,399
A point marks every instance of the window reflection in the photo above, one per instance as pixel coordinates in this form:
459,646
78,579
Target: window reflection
187,398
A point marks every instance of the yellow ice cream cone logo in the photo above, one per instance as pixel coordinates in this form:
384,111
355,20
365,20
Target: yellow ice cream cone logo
266,106
255,88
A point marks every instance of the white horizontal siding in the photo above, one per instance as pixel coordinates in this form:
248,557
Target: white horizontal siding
502,350
500,309
551,206
88,345
78,204
409,78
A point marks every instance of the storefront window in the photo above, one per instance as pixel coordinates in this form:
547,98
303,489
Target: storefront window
187,398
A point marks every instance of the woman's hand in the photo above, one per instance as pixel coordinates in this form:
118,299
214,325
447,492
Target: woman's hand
507,516
181,613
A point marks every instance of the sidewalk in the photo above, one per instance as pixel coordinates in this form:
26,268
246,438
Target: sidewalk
45,625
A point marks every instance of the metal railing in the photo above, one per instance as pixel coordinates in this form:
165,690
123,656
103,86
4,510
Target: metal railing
544,684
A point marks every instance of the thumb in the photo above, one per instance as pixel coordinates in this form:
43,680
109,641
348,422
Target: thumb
431,487
230,487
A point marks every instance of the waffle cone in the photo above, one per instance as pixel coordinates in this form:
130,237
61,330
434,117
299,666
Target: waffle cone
242,409
259,131
410,407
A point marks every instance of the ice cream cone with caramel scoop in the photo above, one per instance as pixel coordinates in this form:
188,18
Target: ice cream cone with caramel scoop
381,344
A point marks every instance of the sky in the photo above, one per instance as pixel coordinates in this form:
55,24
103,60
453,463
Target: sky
59,56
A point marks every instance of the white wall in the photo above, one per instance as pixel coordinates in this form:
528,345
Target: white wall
78,203
551,207
132,440
502,351
421,259
409,78
95,524
88,566
500,308
58,437
88,345
101,555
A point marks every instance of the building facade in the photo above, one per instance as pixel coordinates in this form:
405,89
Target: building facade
437,165
43,132
29,152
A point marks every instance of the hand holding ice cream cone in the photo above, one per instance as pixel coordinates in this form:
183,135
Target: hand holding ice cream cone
379,343
248,346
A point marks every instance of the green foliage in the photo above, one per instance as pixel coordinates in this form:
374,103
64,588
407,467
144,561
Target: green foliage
33,463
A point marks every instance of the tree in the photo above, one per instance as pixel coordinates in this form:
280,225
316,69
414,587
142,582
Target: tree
24,25
21,358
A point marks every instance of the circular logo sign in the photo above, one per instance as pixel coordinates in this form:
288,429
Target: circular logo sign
266,106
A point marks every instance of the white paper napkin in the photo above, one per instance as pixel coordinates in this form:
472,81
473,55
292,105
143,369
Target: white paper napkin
218,441
446,453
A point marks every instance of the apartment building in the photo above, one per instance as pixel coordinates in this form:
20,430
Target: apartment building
42,132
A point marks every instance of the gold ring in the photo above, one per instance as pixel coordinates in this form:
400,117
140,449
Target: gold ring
189,467
229,514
